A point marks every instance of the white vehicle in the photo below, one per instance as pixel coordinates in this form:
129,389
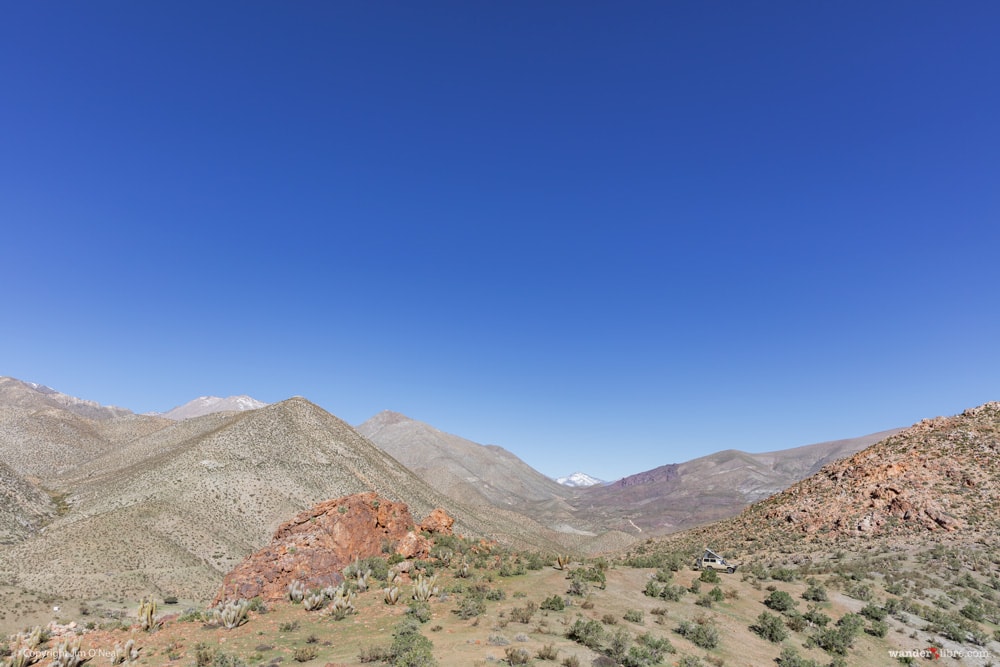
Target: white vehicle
713,561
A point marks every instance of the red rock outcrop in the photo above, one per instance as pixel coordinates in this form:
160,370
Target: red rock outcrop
319,543
437,522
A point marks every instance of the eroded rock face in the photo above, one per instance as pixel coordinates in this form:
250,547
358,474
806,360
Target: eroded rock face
318,544
437,522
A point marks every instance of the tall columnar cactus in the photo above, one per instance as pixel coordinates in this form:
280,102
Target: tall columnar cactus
127,653
463,570
296,591
562,562
423,589
233,614
147,614
68,655
391,577
23,647
391,594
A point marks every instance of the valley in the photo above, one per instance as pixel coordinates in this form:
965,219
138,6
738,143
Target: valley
103,507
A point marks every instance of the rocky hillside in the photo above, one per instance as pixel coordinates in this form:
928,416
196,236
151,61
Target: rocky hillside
681,495
23,507
937,481
940,475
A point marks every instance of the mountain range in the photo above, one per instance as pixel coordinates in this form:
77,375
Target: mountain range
183,500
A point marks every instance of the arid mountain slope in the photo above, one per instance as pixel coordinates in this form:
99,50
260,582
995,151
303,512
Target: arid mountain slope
14,392
462,469
174,510
678,496
23,507
45,434
937,480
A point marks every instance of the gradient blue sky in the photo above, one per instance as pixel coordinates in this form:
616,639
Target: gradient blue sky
606,236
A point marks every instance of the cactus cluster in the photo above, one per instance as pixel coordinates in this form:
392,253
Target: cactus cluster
463,570
296,591
232,614
147,614
361,580
22,648
126,653
391,594
342,602
68,655
562,562
423,588
314,601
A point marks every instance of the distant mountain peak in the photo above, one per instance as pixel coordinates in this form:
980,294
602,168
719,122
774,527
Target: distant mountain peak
205,405
578,479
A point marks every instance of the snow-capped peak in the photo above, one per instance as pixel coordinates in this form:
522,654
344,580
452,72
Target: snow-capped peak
204,405
579,479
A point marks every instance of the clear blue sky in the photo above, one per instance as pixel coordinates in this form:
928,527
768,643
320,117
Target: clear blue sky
606,236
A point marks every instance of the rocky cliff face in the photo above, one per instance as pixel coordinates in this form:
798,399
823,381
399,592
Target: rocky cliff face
319,543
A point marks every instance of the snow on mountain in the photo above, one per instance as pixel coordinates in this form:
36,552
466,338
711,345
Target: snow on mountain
204,405
579,479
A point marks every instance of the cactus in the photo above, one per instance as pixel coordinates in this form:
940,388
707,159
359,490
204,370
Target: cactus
391,577
296,591
147,614
232,614
128,653
22,648
314,601
391,594
562,562
343,604
463,570
68,655
423,589
361,580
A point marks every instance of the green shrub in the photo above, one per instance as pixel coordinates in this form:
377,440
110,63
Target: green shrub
709,576
590,633
554,603
470,607
633,616
523,614
421,611
305,653
877,628
547,652
873,612
770,627
790,658
780,601
701,633
816,617
410,648
815,592
782,574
